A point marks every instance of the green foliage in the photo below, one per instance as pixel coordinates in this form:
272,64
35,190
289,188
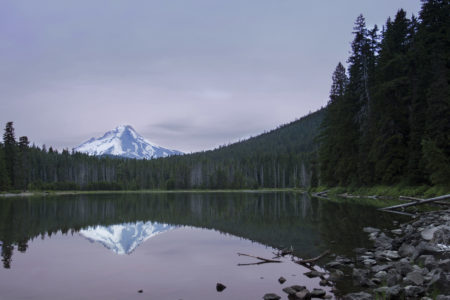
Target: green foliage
277,159
392,124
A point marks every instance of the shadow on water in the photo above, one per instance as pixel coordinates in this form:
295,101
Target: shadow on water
280,219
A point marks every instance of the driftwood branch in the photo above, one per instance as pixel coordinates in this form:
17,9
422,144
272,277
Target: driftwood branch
399,212
263,260
417,202
311,260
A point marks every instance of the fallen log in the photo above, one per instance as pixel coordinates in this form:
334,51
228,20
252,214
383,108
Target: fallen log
311,260
399,212
424,201
264,260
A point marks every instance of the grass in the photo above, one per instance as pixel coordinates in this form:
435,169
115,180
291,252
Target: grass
392,191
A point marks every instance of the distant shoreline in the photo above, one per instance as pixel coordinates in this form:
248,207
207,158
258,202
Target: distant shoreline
60,193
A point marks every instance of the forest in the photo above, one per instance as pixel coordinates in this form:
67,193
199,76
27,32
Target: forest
387,121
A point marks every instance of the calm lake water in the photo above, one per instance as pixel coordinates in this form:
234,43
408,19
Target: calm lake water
170,246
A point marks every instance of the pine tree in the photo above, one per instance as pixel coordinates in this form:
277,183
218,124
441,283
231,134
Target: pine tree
22,163
434,40
4,179
391,102
9,142
332,129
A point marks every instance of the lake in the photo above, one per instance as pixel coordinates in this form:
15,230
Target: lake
171,245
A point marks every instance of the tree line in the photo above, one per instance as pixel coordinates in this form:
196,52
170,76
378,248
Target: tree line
388,117
277,159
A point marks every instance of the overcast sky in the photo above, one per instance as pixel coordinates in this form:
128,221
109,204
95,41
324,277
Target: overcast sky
186,74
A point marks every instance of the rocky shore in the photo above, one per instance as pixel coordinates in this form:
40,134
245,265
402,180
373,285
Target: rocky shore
410,262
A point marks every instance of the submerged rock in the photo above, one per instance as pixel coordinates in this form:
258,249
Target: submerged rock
271,296
281,280
303,295
289,290
318,293
220,287
314,273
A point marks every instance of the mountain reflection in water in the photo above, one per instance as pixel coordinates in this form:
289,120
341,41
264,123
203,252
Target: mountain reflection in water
124,238
278,219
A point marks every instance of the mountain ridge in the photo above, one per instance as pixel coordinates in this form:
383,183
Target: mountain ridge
124,141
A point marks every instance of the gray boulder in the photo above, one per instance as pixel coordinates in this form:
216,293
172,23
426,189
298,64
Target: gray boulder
414,292
414,278
406,250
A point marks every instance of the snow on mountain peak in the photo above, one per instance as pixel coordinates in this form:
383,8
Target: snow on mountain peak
124,141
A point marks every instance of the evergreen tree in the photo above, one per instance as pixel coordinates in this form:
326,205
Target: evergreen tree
391,102
9,142
332,129
4,179
434,38
22,164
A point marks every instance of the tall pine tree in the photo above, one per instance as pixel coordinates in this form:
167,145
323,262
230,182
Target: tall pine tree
9,142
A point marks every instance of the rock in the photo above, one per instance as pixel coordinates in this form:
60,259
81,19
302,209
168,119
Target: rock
414,292
383,242
381,275
314,273
220,287
440,281
323,282
289,291
379,268
390,254
442,297
427,233
370,262
403,268
395,292
441,235
397,231
381,291
298,288
333,265
358,296
281,280
376,281
444,265
414,277
373,236
428,261
335,275
318,293
360,275
271,296
303,295
393,277
406,250
370,229
343,260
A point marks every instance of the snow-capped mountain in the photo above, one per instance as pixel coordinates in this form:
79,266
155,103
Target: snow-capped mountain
124,141
124,238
